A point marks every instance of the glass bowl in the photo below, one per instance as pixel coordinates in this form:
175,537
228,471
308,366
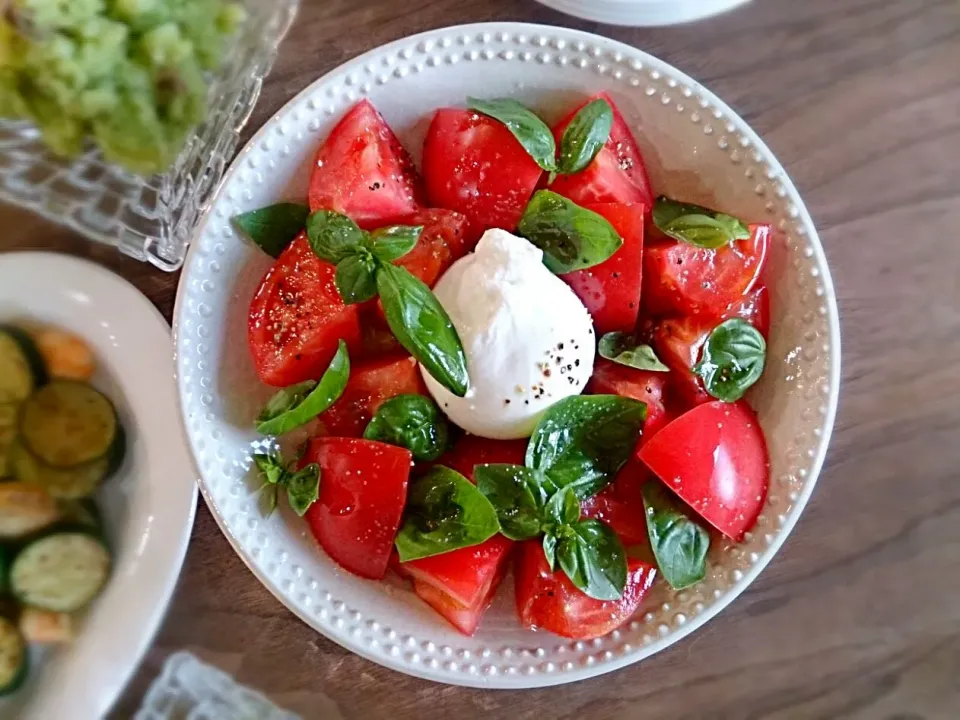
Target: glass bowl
149,218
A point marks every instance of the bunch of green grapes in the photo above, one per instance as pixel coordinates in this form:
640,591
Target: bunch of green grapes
129,74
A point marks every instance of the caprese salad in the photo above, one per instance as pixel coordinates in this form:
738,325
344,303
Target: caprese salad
519,355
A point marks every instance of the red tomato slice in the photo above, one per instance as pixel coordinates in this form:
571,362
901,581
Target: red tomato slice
447,236
754,308
464,619
363,171
473,450
678,342
548,600
611,290
715,458
297,318
616,175
474,165
369,385
610,378
363,487
627,518
682,278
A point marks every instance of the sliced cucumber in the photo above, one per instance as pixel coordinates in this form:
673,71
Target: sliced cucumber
8,431
61,571
21,367
25,509
13,657
66,484
68,423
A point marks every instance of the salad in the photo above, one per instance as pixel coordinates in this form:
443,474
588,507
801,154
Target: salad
520,356
60,438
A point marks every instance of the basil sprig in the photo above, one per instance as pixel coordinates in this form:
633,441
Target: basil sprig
732,359
585,136
697,225
299,404
584,440
582,139
365,269
273,227
623,349
679,544
529,130
575,451
571,237
302,486
444,512
413,422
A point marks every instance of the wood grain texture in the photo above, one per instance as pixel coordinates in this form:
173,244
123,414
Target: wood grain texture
858,616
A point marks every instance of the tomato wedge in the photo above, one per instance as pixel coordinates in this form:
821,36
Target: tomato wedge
465,619
363,487
548,600
447,236
473,164
678,342
363,171
611,290
616,175
754,308
473,450
626,517
369,385
297,318
715,458
682,278
610,378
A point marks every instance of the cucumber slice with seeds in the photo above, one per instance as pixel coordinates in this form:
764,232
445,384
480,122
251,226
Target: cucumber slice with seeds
14,659
21,367
68,423
61,571
66,484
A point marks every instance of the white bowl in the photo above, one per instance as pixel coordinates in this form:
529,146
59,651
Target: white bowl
696,148
643,13
148,506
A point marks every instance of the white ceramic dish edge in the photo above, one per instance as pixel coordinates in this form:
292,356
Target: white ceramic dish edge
430,670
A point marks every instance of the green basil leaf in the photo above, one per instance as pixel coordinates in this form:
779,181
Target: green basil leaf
303,488
445,512
529,130
413,422
696,225
621,348
422,326
563,508
732,359
273,227
392,243
271,466
585,136
571,237
679,544
267,499
518,494
356,278
299,404
550,550
333,236
582,441
593,557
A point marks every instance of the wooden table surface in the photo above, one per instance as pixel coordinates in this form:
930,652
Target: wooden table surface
858,616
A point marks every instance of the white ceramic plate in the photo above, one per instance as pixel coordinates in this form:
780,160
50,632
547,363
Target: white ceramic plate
696,148
148,506
644,13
